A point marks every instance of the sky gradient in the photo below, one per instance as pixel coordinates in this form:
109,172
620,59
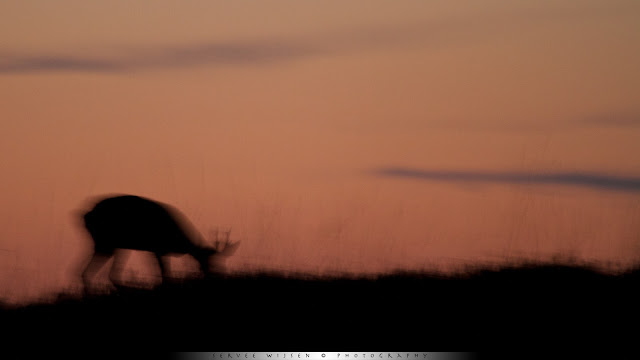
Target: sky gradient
356,136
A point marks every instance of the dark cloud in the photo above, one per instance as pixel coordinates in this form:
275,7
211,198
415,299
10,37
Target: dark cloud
582,179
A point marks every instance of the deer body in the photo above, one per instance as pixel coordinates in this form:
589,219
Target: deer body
137,223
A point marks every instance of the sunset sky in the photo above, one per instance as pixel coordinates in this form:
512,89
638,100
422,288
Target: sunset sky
356,136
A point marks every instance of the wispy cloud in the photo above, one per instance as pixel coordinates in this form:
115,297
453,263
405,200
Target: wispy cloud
42,63
616,120
163,57
262,50
238,53
592,180
447,31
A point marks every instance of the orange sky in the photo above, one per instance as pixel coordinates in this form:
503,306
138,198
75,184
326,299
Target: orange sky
273,117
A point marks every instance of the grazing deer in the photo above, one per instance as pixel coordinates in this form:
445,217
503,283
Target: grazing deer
136,223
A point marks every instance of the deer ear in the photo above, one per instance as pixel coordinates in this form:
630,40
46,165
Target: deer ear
212,238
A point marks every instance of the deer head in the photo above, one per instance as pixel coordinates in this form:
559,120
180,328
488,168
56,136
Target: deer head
220,248
222,243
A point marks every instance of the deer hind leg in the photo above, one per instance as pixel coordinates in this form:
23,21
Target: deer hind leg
97,261
163,263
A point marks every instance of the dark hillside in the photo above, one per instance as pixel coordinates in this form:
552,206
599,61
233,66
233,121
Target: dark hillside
526,307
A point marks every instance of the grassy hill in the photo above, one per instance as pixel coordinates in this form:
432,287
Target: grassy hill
527,307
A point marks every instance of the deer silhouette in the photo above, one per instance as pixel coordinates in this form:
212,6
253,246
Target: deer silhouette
137,223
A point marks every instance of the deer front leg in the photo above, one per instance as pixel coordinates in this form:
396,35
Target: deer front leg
97,261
